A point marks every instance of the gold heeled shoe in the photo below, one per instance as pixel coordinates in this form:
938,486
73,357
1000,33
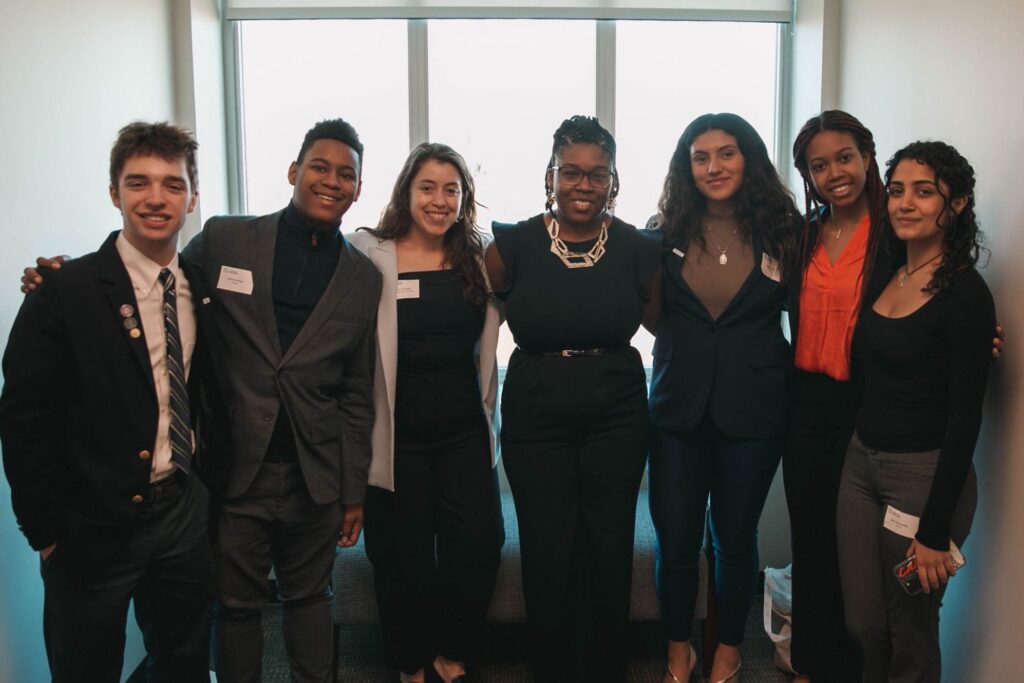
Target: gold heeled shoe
734,677
689,672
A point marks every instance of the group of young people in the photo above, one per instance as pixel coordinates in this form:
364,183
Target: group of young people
873,410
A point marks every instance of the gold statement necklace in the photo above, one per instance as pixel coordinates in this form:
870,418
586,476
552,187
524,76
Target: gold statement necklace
575,259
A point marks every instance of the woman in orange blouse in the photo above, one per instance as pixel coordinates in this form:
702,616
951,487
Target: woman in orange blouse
845,251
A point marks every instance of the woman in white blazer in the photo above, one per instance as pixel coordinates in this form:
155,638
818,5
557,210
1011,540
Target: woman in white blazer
432,516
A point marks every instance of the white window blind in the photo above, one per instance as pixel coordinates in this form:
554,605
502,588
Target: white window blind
694,10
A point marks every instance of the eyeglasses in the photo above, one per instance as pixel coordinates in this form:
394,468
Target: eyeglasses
570,175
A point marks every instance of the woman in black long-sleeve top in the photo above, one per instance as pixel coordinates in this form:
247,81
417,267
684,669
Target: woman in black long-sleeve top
574,432
718,392
908,487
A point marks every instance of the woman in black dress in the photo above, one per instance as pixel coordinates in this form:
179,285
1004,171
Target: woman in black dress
575,281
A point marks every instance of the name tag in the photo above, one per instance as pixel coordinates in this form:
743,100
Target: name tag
408,289
900,523
771,268
235,280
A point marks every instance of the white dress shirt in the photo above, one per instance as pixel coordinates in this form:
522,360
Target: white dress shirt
149,295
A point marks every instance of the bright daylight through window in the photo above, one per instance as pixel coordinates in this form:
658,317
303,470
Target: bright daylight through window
496,91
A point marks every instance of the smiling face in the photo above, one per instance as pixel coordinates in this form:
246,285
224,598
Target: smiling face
717,165
581,205
326,182
435,198
838,169
154,196
917,204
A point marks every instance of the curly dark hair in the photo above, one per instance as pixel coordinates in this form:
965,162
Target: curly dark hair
763,205
164,140
582,130
963,240
463,244
878,231
339,130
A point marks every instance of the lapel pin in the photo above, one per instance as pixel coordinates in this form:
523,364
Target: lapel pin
127,310
130,323
134,333
206,300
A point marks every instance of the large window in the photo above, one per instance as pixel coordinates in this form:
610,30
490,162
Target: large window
495,90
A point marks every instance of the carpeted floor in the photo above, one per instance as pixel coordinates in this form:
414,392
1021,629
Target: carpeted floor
362,654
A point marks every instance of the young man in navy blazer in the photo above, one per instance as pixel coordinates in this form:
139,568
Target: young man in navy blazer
100,423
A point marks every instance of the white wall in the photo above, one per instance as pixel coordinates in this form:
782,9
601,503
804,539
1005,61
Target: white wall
71,74
951,70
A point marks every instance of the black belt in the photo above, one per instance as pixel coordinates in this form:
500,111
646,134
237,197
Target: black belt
167,488
568,353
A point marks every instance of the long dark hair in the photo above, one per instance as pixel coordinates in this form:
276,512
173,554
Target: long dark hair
763,205
463,245
874,189
962,239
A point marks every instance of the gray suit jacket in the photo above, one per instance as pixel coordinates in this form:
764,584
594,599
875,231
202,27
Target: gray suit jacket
382,253
324,381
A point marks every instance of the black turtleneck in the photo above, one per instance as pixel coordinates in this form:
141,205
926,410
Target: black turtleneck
305,259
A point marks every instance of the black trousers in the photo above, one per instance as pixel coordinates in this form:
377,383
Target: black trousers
574,444
164,566
275,523
812,465
435,544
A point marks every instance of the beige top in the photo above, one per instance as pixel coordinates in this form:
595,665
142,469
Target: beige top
716,271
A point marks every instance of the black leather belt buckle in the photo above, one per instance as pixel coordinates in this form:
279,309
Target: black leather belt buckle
579,353
168,487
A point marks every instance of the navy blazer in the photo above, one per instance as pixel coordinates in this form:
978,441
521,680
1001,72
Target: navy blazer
78,413
734,369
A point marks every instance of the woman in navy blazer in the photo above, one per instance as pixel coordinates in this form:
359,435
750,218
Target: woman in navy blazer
718,392
433,520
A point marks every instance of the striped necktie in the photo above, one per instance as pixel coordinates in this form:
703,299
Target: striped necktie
181,431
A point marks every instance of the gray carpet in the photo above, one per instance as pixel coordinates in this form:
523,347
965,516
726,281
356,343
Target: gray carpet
362,654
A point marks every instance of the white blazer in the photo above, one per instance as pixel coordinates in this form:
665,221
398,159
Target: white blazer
382,466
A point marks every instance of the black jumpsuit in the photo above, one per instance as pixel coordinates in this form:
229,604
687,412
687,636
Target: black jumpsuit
574,440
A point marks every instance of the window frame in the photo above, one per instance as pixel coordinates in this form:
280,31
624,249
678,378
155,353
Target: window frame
419,87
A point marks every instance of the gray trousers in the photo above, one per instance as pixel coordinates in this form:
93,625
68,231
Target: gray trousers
898,633
275,523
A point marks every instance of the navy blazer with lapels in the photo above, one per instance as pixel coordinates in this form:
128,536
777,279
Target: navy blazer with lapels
733,368
78,414
324,380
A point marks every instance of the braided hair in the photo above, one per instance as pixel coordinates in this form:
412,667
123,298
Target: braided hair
581,130
963,240
878,231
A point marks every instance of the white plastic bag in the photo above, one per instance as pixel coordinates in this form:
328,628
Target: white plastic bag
778,613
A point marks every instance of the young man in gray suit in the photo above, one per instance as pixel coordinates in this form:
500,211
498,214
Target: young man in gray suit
295,311
296,308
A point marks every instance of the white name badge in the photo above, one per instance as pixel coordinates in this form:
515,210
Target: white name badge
408,289
235,280
900,523
771,268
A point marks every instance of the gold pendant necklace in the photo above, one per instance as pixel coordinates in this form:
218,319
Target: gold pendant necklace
722,257
573,259
908,273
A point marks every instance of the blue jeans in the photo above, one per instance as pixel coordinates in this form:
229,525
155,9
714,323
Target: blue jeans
686,469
